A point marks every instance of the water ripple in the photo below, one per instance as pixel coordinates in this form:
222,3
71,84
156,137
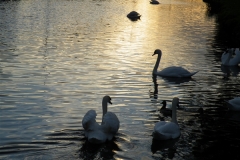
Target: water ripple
59,58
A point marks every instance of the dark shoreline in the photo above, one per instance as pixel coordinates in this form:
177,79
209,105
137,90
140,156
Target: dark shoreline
227,13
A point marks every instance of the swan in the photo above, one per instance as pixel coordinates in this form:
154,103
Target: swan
168,130
172,71
134,15
234,104
228,59
100,133
154,2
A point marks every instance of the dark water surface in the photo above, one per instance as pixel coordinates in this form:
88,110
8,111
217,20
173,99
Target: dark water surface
59,58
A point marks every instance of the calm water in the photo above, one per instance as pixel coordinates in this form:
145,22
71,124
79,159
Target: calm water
59,58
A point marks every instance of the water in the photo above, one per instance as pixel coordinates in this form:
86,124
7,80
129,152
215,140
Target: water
59,58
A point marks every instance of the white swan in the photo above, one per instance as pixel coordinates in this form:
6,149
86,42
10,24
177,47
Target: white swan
228,59
100,133
168,130
172,71
234,104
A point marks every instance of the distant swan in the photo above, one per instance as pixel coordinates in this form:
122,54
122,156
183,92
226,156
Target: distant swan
100,133
134,15
172,71
154,2
234,104
168,130
227,58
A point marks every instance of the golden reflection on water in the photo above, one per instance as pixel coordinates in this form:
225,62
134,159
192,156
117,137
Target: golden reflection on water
71,53
172,26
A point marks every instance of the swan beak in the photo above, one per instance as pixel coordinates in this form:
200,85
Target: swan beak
110,102
153,54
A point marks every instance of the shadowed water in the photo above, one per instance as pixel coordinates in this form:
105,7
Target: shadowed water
59,58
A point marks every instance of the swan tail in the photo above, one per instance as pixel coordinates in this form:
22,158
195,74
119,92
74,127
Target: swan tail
193,73
188,75
97,137
165,130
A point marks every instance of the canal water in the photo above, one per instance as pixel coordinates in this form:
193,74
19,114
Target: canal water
58,58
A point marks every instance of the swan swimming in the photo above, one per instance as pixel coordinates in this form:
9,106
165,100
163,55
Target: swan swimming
228,59
154,2
172,71
100,133
234,104
134,15
168,130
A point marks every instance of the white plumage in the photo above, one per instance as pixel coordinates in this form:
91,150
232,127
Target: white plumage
100,133
168,130
228,59
172,71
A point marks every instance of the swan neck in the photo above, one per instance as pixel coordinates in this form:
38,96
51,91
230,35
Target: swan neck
174,113
157,64
104,106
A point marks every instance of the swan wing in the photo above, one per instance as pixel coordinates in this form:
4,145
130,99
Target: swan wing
237,51
228,60
93,131
235,60
110,124
224,57
166,130
174,71
89,120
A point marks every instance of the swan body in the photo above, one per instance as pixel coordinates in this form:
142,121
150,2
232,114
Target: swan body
97,133
234,104
172,71
154,2
168,130
134,15
228,59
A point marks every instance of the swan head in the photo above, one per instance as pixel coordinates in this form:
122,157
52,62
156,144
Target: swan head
107,99
157,51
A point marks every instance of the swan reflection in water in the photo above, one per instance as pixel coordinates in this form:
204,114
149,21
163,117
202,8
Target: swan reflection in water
173,80
98,151
165,146
154,94
230,70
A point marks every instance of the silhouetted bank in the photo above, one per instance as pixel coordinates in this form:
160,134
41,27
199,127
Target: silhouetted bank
227,14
